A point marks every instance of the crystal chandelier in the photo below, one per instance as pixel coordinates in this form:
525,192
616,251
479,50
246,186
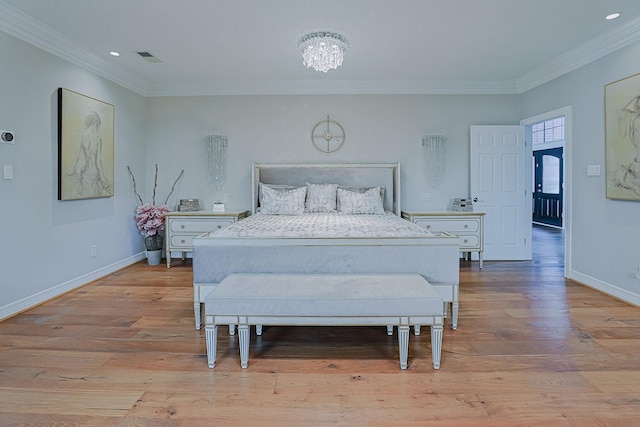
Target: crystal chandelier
323,50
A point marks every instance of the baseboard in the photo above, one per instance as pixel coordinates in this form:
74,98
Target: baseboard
607,288
31,301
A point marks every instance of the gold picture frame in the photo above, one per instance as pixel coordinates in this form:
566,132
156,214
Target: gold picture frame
85,146
622,138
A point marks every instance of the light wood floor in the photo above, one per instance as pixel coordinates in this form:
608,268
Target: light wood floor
532,349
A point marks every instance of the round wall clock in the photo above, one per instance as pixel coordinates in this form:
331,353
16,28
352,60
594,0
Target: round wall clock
327,135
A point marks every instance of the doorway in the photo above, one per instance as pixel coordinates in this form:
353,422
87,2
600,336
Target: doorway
548,125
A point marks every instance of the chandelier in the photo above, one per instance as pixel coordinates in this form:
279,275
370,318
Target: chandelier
323,50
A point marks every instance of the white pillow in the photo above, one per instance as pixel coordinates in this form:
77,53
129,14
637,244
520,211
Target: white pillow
360,190
277,187
288,202
352,202
321,198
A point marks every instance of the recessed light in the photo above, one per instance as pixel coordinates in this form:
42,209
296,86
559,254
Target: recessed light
612,16
114,53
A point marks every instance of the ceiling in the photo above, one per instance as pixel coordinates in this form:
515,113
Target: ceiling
208,47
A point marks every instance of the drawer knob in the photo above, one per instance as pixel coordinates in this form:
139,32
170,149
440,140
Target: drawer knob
428,225
219,227
182,241
465,240
466,226
182,226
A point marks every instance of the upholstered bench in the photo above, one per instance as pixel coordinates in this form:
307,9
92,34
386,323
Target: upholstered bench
398,300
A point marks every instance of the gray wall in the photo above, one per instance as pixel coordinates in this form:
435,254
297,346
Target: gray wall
605,234
45,247
276,129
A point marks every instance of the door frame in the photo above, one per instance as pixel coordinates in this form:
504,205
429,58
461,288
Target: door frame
568,167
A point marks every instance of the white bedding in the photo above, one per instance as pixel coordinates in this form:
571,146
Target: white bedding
322,225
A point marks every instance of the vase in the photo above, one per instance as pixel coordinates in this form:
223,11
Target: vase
154,257
153,245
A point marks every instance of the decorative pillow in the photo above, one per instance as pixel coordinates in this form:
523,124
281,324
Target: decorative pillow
321,198
277,187
285,202
359,190
352,202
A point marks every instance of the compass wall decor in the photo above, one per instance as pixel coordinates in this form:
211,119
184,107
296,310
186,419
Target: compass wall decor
327,135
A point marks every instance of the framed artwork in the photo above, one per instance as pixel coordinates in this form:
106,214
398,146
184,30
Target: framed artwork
622,138
85,147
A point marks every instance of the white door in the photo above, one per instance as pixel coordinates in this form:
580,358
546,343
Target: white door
499,188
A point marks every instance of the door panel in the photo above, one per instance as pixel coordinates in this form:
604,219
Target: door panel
548,195
498,162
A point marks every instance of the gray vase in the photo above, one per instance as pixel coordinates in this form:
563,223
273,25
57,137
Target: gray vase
154,257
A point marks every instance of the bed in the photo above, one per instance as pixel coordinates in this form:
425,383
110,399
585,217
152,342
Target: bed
352,237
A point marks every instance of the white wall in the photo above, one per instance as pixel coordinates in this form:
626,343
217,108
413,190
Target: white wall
384,128
45,247
605,234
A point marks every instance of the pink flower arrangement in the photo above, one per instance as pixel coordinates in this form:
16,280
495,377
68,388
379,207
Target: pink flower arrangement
150,218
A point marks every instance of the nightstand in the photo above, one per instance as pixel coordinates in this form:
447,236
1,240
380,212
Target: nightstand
182,227
468,226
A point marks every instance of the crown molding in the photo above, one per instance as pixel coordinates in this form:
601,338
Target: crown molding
584,54
23,27
333,87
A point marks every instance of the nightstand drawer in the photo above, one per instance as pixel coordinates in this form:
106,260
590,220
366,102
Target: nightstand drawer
452,226
199,227
182,241
467,242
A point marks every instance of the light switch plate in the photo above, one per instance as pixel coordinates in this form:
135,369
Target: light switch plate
593,170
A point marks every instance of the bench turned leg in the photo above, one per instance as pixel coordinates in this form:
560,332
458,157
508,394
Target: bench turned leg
416,330
389,330
197,314
232,329
403,345
211,336
243,335
258,330
436,344
454,315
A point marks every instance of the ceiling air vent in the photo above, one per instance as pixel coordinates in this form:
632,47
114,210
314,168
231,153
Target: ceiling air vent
148,57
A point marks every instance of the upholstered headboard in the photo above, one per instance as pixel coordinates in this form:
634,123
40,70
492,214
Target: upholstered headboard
385,175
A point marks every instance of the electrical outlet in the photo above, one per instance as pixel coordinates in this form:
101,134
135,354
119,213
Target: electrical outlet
94,250
7,171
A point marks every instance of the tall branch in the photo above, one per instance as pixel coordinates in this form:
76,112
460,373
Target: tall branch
174,186
155,185
135,190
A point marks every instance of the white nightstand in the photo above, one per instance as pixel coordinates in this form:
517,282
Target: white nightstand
182,227
468,226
